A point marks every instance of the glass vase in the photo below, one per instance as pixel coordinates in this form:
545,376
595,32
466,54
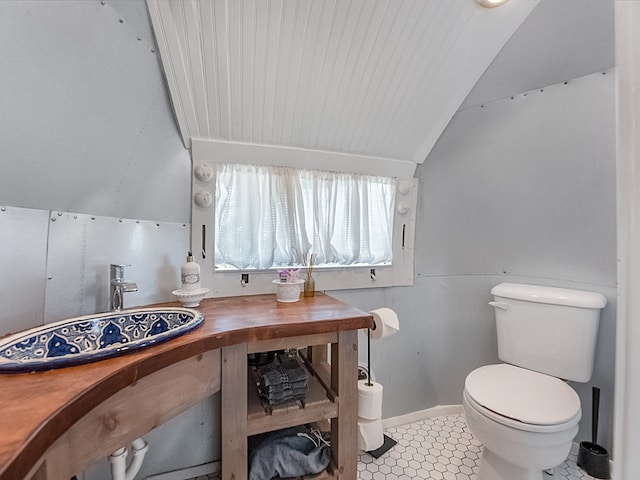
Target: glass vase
309,286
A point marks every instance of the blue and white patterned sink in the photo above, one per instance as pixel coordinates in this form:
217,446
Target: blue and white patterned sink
93,337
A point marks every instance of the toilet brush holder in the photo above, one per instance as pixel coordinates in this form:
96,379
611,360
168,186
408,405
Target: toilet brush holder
593,458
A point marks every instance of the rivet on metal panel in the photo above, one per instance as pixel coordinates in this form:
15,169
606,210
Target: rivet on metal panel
102,2
59,214
53,219
139,37
3,209
121,20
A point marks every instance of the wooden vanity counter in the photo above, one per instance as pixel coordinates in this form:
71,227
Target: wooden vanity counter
47,418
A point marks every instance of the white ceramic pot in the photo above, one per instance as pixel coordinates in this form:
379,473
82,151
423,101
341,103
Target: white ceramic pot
288,291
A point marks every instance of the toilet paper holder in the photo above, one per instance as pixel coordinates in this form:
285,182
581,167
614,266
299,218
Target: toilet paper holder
382,315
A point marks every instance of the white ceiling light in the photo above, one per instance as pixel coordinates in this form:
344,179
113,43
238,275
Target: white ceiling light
491,3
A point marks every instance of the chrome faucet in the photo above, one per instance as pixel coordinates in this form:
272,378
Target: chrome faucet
119,286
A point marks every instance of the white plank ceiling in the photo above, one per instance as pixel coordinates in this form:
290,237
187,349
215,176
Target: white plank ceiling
374,78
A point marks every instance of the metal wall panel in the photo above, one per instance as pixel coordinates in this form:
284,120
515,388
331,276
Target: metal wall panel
81,248
525,186
23,256
559,41
86,121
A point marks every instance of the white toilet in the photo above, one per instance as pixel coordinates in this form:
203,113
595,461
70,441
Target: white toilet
522,411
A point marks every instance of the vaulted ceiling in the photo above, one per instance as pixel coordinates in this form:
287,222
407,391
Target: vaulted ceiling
375,78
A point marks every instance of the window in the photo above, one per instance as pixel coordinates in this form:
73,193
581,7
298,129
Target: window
269,217
253,213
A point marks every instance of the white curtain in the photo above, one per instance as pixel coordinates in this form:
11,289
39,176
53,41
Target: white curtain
275,216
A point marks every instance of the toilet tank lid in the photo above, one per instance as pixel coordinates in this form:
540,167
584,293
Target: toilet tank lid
550,295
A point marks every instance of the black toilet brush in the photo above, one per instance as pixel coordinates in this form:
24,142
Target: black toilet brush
593,458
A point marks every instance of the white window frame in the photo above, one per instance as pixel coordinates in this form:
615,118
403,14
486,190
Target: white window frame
205,153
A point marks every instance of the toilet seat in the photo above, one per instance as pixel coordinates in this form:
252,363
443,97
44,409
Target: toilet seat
522,398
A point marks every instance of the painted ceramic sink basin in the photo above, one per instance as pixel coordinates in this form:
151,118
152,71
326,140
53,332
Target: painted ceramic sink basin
93,337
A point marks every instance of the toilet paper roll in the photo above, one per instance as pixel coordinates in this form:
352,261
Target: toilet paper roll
369,400
385,321
370,434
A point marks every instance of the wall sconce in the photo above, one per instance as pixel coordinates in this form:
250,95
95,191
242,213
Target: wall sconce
203,199
491,3
403,207
405,187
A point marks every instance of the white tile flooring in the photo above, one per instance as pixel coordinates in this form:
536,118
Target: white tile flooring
439,448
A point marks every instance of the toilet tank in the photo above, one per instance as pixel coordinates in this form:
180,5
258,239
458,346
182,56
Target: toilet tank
547,329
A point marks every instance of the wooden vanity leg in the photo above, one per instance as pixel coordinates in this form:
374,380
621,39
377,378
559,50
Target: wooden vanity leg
344,375
233,420
318,354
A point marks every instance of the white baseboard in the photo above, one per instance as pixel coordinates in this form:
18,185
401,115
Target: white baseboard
422,415
186,473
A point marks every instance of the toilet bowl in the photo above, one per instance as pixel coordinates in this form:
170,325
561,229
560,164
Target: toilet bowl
525,420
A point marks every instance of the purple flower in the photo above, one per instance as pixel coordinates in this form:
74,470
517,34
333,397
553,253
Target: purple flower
288,275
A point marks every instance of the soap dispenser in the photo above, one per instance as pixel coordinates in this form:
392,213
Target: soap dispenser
190,274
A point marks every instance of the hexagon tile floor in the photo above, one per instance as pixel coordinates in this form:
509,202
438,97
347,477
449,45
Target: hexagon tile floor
439,448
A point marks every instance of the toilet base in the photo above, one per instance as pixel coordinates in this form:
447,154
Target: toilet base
493,467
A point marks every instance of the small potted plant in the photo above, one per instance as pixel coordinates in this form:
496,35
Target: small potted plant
288,285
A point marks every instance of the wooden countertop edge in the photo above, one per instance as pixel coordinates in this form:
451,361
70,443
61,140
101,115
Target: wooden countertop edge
115,374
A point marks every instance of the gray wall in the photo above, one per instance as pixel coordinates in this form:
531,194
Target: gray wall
519,190
86,122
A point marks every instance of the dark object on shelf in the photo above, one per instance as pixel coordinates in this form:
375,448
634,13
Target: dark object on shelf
262,358
593,458
291,452
283,380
